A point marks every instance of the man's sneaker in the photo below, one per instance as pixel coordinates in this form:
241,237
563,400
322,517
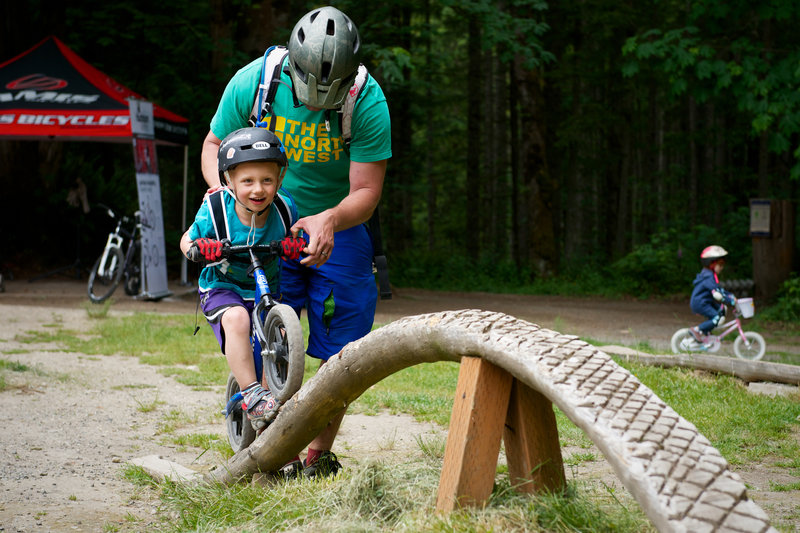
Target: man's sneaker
292,469
260,405
698,336
326,465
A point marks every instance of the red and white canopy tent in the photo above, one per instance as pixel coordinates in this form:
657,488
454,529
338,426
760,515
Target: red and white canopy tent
51,93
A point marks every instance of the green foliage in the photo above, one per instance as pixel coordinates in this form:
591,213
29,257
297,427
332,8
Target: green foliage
787,307
711,55
667,264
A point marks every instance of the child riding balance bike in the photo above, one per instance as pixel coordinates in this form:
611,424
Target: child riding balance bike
250,210
709,300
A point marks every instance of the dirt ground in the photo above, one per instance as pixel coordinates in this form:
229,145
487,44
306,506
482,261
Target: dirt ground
71,424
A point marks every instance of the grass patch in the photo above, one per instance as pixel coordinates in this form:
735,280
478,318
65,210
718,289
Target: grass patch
13,366
205,442
376,496
148,406
784,487
424,391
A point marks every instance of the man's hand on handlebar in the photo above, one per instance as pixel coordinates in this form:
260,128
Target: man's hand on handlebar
206,250
292,246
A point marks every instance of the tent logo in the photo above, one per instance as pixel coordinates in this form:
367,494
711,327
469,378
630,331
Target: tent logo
36,81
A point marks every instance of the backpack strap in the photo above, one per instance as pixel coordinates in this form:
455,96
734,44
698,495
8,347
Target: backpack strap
346,113
282,206
218,215
270,77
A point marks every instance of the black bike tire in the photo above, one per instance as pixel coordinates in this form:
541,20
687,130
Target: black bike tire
133,274
95,280
284,357
240,433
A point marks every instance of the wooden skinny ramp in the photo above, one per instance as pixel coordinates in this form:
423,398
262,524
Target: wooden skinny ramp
679,479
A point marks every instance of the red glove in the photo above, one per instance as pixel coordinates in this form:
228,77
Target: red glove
292,246
210,249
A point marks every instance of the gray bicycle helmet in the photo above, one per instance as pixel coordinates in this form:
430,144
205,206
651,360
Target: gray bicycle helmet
324,54
249,145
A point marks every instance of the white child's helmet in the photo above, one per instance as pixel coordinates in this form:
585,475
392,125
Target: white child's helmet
712,253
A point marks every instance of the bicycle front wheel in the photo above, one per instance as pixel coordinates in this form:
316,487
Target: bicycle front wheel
284,355
102,284
753,350
133,276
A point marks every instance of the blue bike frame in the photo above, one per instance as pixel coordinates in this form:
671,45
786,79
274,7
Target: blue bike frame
264,301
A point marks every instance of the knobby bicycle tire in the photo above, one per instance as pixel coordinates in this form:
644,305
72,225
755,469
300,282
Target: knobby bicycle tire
284,355
100,287
240,431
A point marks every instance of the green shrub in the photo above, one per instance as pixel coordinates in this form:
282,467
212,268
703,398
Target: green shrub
787,307
670,261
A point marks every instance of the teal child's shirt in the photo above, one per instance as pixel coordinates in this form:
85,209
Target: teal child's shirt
232,274
319,168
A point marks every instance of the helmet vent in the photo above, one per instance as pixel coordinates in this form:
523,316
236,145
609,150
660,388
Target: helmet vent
326,71
301,36
300,72
313,16
331,29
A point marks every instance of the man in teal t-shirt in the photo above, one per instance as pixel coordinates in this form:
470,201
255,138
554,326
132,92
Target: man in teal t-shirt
336,189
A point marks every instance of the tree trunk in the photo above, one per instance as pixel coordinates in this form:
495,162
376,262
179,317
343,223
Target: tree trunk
693,170
540,190
473,213
513,119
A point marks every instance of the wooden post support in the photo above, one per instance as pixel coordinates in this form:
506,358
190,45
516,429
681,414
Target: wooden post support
531,438
489,405
473,440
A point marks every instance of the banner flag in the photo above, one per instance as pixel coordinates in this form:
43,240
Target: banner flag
154,254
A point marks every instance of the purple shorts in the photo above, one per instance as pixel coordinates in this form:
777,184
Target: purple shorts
214,303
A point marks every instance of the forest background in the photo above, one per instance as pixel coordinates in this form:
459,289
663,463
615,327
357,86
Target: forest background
581,145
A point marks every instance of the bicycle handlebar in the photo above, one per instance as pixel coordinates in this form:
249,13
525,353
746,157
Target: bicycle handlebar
273,248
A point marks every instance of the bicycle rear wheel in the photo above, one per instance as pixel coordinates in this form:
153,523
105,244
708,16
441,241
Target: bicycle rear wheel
240,433
102,284
284,355
682,341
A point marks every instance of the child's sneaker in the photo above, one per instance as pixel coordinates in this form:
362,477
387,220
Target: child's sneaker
292,470
698,336
260,405
326,465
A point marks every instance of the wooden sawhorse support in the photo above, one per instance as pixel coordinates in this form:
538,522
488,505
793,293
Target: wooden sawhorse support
491,404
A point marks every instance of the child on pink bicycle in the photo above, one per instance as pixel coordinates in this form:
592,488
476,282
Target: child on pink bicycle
708,297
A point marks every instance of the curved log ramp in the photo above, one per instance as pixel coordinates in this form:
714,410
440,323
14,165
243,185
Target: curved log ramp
681,481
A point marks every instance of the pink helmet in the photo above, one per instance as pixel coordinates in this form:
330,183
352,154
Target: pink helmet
711,254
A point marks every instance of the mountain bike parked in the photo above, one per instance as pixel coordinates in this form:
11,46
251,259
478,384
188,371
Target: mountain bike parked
277,340
114,263
748,345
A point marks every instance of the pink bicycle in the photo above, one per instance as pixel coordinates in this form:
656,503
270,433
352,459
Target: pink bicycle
748,345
